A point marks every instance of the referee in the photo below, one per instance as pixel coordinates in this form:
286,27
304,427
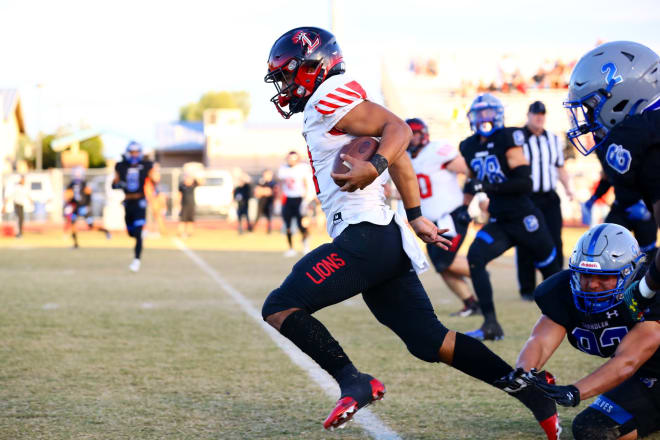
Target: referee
545,154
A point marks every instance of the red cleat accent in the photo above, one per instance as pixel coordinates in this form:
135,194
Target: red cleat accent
551,427
346,407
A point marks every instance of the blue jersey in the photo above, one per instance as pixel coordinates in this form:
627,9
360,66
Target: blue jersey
488,163
133,176
598,334
631,156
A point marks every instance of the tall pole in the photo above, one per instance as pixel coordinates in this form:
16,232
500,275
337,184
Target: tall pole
40,148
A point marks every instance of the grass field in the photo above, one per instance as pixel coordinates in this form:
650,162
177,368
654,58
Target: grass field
91,351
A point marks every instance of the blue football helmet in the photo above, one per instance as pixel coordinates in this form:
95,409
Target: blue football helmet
486,114
609,83
130,148
605,249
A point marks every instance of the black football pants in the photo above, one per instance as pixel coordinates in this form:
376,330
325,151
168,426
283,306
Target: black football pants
549,205
495,238
365,258
646,231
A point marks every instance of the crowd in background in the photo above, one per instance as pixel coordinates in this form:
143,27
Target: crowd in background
508,76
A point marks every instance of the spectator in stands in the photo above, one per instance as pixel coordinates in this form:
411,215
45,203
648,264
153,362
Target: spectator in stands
265,194
242,195
187,201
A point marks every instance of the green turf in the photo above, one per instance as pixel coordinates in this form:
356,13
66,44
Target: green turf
90,351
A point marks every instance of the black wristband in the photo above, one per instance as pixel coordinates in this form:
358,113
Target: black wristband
379,162
413,213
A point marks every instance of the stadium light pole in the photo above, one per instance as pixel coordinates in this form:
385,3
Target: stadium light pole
40,146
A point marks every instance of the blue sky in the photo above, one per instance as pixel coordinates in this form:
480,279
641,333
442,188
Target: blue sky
127,65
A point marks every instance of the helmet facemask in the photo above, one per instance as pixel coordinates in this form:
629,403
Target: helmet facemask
485,120
586,132
592,302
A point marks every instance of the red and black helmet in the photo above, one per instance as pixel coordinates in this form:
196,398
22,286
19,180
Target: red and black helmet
418,126
299,62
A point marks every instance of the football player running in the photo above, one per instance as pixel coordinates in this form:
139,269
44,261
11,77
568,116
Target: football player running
373,252
78,196
613,104
437,165
499,168
587,304
130,175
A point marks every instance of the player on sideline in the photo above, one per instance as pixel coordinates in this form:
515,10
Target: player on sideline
443,202
372,251
130,175
499,168
293,177
587,305
78,197
614,97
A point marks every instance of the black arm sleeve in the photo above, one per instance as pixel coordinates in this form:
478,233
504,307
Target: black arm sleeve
602,188
519,182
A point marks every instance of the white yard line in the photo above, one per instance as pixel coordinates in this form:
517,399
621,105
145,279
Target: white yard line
367,420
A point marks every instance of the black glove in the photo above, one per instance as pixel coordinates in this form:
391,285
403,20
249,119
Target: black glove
565,395
512,382
462,214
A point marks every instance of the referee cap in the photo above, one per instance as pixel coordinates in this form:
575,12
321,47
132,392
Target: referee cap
537,107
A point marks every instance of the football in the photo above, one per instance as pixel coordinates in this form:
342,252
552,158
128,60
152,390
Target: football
362,148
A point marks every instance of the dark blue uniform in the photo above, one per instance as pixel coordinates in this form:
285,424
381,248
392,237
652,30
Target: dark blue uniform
631,155
636,402
132,178
514,220
626,190
80,201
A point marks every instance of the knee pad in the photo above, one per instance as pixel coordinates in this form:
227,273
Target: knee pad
426,346
277,301
594,425
475,257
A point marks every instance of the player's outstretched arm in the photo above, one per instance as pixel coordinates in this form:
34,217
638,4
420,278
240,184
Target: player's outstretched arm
634,350
546,336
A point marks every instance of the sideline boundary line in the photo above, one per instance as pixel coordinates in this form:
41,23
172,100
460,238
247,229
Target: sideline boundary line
367,420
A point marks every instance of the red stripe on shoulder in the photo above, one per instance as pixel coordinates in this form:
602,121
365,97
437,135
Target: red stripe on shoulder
339,98
347,92
356,87
329,104
324,112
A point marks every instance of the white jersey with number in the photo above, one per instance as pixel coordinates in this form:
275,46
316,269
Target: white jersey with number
439,191
292,179
334,98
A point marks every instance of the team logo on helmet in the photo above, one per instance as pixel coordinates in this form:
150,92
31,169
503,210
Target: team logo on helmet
589,264
301,37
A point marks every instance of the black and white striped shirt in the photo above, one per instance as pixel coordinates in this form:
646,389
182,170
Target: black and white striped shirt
545,154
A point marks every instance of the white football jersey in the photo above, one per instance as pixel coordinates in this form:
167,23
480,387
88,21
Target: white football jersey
334,98
292,179
439,191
